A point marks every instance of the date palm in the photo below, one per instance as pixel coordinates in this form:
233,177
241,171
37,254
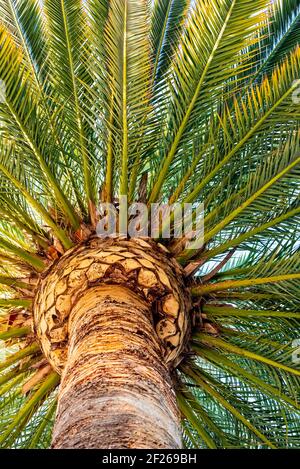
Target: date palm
135,342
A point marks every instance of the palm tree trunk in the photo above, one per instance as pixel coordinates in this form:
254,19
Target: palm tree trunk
116,391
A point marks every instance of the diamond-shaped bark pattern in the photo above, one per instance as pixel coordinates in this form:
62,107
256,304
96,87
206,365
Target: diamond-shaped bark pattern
141,265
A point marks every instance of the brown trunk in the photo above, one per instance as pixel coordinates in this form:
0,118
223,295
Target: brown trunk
116,391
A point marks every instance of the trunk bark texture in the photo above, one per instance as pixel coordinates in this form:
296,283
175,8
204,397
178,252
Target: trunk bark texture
116,391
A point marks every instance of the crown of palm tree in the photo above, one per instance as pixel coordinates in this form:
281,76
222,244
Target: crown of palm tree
160,101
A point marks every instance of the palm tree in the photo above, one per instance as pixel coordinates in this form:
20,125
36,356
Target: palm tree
149,342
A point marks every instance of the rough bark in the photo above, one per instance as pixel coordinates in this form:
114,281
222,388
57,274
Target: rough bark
116,390
144,267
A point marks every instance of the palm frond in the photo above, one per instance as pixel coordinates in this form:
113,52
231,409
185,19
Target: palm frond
281,35
214,39
166,25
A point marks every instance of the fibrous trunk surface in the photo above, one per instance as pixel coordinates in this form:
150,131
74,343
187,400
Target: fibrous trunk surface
116,390
112,318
